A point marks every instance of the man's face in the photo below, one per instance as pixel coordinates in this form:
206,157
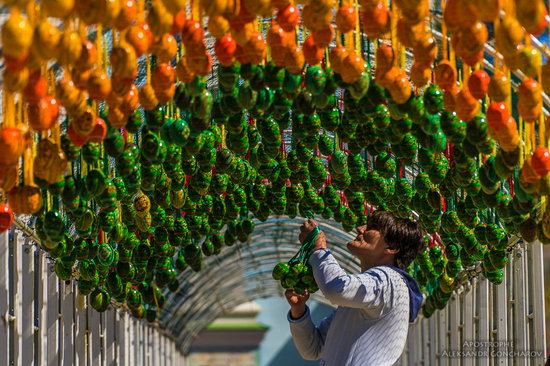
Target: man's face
368,243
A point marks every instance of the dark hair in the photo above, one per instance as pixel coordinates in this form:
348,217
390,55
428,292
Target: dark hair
402,234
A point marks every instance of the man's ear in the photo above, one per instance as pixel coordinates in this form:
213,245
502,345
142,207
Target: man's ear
391,251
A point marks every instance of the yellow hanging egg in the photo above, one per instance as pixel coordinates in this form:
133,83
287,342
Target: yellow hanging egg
213,7
530,61
46,40
112,10
16,35
263,8
70,48
174,6
509,35
159,19
218,26
147,97
58,8
16,81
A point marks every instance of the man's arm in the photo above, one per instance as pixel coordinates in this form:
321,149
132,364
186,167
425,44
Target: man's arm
371,290
309,339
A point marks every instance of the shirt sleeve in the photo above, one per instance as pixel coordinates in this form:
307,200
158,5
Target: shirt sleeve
373,289
309,339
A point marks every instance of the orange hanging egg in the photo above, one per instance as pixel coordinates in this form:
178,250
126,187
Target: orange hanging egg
136,36
8,177
159,19
323,37
40,117
218,26
288,17
128,13
400,88
532,16
529,92
420,75
12,145
467,107
546,77
346,19
473,39
528,173
316,18
352,67
499,87
450,98
130,101
410,35
192,35
425,51
99,85
376,21
25,200
255,49
445,75
200,64
81,77
417,14
123,61
449,16
295,60
88,56
36,88
337,56
312,53
117,119
243,34
163,76
507,135
165,95
147,97
385,58
178,23
183,71
478,83
488,10
165,48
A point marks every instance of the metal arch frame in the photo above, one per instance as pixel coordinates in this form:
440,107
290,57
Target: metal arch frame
248,267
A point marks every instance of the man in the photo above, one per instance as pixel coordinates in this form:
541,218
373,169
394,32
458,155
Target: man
370,325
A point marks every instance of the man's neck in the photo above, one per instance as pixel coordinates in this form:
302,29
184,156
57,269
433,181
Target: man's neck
366,264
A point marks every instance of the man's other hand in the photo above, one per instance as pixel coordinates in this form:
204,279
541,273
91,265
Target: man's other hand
297,303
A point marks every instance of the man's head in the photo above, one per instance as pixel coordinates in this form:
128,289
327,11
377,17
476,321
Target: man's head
386,240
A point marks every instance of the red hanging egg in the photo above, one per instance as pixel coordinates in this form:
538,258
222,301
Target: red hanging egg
541,161
288,17
225,49
312,53
76,139
99,132
6,217
478,83
498,115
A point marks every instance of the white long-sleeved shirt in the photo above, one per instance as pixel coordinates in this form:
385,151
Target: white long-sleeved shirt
370,325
